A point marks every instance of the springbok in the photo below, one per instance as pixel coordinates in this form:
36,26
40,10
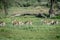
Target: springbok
28,22
2,23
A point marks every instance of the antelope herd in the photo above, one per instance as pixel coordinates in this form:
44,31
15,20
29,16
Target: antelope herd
15,22
29,22
50,22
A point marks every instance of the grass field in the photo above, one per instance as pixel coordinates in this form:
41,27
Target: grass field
36,31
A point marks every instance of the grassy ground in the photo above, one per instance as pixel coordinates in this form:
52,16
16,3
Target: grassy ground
37,31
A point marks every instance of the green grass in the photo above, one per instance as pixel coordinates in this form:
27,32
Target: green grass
37,31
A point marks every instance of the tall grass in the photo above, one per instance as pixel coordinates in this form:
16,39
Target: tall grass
36,31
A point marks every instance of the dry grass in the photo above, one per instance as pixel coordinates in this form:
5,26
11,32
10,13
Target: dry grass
30,10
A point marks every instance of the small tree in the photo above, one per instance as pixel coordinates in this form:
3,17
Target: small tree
5,4
51,10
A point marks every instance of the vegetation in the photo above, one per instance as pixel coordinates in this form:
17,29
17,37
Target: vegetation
29,20
36,31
